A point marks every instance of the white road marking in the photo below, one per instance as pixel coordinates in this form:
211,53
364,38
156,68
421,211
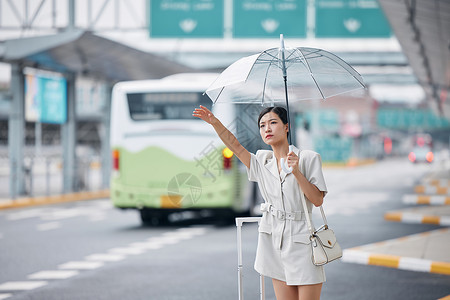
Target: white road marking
21,285
53,274
183,235
164,240
48,226
81,265
29,213
95,261
127,251
59,214
193,230
105,257
147,245
97,217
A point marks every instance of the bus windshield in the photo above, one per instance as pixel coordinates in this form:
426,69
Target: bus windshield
165,106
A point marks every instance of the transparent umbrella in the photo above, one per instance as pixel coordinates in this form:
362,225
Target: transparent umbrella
285,75
306,74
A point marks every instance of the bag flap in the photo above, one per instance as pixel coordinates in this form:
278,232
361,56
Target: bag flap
327,238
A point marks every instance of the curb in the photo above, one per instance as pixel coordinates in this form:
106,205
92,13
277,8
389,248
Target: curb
432,189
352,162
416,218
45,200
437,182
426,199
361,256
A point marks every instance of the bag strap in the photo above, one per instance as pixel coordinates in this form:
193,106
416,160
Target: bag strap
305,210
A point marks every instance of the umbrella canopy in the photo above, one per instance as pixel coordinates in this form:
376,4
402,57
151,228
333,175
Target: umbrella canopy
311,74
285,75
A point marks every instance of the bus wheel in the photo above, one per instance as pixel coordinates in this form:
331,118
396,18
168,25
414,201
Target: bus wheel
153,218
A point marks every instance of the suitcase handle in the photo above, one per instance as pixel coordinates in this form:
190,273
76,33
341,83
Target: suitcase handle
239,222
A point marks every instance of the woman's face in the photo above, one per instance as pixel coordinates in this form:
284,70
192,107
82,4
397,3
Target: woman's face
272,129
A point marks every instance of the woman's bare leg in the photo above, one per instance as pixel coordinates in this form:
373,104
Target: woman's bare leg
309,292
284,291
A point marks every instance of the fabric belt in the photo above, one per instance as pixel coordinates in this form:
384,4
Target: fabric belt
281,214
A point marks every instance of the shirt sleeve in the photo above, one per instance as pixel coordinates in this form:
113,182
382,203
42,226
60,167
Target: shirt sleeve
255,170
315,174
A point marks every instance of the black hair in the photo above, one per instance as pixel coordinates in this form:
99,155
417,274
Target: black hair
280,111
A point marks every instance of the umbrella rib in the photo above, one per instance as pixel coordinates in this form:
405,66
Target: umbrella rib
310,73
265,78
341,63
221,90
269,60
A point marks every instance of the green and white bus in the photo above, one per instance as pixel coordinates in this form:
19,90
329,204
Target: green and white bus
165,160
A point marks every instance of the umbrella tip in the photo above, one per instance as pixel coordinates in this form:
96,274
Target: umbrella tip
281,41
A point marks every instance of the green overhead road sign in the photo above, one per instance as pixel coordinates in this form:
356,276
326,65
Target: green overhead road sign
410,119
350,18
186,18
269,18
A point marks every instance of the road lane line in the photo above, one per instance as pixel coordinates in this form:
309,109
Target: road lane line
4,296
60,274
48,226
21,285
169,240
147,245
80,265
97,217
127,251
105,257
95,261
26,214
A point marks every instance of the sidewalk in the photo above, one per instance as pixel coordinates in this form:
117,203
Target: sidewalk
423,252
44,200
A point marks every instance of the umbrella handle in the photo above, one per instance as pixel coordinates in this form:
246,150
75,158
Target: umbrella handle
284,166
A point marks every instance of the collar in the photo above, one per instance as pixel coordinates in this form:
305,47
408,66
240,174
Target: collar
271,165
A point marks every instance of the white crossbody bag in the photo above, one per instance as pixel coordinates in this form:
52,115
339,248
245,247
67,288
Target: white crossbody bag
325,247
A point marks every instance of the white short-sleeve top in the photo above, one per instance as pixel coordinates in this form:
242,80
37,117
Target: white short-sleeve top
273,185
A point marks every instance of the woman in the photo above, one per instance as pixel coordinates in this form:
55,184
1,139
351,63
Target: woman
283,251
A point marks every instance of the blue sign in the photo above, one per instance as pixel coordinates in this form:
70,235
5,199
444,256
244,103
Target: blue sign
45,99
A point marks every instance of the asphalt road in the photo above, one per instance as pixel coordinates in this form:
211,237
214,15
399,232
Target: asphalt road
89,250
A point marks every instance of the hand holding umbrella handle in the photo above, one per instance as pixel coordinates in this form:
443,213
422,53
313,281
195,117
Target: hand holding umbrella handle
284,166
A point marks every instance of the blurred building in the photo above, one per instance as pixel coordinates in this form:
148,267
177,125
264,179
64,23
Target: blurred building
101,42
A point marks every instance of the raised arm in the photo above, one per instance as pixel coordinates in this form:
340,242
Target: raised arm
225,135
